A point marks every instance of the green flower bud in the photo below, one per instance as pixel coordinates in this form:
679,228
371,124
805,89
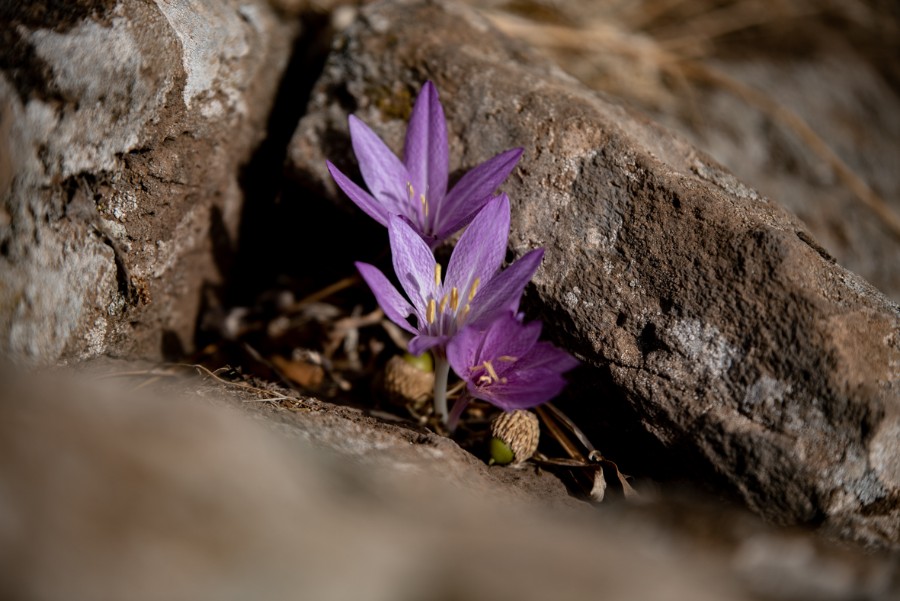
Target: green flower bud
423,362
501,454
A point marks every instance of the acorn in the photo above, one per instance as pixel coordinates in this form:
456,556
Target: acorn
515,437
408,380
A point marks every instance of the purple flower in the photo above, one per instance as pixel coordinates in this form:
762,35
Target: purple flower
474,291
416,188
505,365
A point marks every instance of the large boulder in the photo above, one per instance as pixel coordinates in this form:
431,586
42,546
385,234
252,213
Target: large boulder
233,496
711,317
124,126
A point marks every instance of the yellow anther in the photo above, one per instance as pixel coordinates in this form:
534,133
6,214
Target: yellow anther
443,305
410,191
474,288
454,299
490,369
490,377
507,359
429,313
437,274
424,204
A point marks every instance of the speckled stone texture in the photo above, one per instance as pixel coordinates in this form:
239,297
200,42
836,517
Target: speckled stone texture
124,125
701,309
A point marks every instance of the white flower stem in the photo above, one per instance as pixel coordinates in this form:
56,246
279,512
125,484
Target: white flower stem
441,373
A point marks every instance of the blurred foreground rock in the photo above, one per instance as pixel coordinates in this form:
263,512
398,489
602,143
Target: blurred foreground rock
154,486
710,312
122,129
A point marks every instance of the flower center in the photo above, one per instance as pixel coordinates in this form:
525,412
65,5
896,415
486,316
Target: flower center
490,373
449,305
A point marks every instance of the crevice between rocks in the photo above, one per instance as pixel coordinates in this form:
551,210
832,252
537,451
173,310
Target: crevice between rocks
289,235
256,262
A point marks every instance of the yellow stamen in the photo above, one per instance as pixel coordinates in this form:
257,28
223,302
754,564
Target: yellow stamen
490,369
424,204
454,299
484,380
429,313
437,274
409,190
507,359
443,306
474,288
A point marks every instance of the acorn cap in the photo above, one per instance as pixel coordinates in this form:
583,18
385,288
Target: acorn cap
406,384
519,431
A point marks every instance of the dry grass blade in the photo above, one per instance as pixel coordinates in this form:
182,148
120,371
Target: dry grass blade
605,38
324,293
568,423
171,370
813,141
560,436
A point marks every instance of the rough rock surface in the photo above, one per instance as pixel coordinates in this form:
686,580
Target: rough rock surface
124,125
705,309
747,98
105,488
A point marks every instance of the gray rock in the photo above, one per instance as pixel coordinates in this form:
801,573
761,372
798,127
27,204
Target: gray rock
106,488
125,127
709,313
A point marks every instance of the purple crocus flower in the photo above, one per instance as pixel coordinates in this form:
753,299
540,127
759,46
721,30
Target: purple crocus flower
505,365
474,290
416,188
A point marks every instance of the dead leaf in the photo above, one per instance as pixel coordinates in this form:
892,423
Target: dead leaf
307,375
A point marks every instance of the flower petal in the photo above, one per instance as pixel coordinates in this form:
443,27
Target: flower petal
526,390
481,248
546,356
363,199
504,291
472,191
420,344
413,264
508,337
464,351
391,302
383,172
426,153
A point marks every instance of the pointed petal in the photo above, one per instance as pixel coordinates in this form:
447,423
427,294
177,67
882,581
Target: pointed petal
363,199
472,191
545,356
504,291
506,336
420,344
463,351
391,302
526,390
413,264
481,248
426,153
383,172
